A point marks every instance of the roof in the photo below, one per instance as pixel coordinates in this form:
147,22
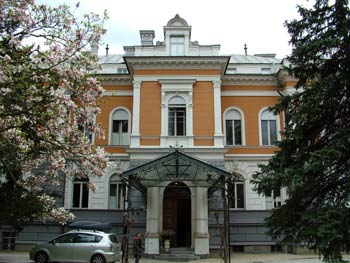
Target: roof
243,64
254,59
235,59
111,59
174,167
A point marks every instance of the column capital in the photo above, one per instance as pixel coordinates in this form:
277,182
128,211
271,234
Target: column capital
137,83
217,83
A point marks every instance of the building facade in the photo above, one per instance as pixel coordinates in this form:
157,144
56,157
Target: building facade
179,117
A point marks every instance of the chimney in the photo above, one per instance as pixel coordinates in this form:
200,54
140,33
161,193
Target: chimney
147,37
94,47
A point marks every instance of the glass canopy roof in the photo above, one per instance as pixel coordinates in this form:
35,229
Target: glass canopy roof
175,167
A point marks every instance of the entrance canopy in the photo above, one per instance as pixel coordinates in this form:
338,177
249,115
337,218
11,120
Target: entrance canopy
175,167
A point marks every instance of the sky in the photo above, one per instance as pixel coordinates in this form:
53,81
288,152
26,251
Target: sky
230,23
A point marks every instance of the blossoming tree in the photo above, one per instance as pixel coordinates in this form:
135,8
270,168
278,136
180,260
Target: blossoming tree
48,101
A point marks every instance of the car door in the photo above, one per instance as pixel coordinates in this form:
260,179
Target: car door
84,246
61,248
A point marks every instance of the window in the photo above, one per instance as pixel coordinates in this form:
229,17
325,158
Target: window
117,192
177,117
233,126
268,128
68,238
177,46
86,238
273,200
120,127
85,129
8,241
236,192
80,193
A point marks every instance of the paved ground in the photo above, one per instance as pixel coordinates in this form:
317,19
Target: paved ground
22,257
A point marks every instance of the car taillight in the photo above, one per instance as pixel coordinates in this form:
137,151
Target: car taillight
110,247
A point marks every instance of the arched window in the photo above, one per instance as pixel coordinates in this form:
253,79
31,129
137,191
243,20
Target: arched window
233,127
120,127
80,193
268,128
117,193
236,193
177,116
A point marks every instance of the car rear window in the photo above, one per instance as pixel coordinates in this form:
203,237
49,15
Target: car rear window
113,238
87,238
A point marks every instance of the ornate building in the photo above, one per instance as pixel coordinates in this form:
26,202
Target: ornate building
180,119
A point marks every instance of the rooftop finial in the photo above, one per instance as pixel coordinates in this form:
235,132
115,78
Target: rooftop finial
107,48
245,49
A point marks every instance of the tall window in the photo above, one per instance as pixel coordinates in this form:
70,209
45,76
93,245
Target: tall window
120,127
177,116
117,192
236,193
268,128
177,46
84,128
233,125
273,199
80,193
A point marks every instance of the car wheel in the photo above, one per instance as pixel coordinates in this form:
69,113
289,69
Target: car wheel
98,259
41,257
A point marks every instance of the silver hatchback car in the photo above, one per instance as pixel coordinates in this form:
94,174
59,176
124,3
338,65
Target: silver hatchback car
79,246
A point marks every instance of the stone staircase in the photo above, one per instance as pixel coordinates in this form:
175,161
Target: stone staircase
179,254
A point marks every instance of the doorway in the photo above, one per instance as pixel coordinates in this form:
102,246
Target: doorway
177,213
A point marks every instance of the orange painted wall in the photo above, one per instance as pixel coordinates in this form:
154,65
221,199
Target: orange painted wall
150,111
107,105
251,107
203,112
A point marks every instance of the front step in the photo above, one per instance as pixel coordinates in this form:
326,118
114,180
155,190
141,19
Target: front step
177,255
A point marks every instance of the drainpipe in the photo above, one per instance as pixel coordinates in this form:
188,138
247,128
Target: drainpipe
225,221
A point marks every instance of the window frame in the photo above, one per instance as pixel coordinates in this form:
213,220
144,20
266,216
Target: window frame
177,107
119,184
81,182
275,200
174,46
111,126
234,203
277,127
241,113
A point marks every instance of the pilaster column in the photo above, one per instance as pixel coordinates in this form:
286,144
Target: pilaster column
135,134
218,135
164,120
201,236
152,222
189,119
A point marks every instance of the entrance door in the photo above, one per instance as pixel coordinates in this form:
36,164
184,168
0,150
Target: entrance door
177,213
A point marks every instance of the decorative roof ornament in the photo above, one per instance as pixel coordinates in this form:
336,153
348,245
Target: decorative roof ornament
177,21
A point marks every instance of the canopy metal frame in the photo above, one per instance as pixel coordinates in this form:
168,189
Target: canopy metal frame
175,167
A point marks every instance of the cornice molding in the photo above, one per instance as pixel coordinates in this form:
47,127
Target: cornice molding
254,79
248,157
115,79
173,62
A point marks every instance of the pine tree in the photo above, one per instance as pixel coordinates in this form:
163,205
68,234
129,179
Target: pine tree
313,163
